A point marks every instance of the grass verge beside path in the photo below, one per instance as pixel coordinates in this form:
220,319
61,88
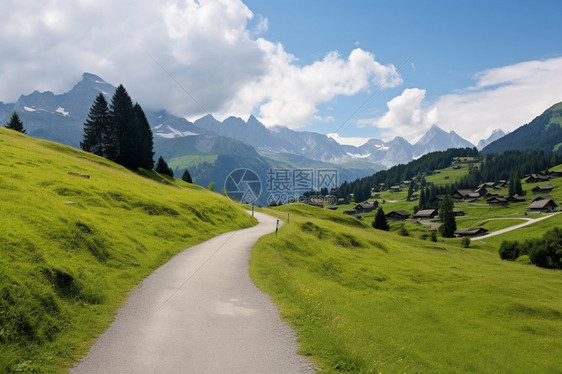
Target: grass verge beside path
72,247
366,301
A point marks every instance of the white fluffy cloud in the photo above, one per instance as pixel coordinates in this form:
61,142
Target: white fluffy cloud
290,94
405,116
505,97
205,45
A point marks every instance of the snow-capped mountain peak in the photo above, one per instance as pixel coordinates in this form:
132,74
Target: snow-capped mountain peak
496,134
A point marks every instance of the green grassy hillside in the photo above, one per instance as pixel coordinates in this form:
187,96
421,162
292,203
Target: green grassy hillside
543,133
72,247
367,301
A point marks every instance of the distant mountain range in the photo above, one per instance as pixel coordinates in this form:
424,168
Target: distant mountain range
211,148
496,134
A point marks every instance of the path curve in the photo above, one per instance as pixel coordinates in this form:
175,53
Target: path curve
530,221
200,313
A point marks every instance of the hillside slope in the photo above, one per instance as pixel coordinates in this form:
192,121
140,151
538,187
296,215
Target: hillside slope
544,133
369,301
71,247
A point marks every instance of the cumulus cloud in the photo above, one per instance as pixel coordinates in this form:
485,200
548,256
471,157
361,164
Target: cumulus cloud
289,94
406,116
207,46
505,98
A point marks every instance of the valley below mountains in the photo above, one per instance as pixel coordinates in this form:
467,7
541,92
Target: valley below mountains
210,149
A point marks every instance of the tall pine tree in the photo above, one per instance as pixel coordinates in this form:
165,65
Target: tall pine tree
447,216
511,190
410,190
142,141
517,188
163,168
380,222
422,203
186,176
121,120
96,127
15,123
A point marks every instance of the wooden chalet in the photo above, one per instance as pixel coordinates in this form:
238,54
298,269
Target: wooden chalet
481,191
534,178
426,214
465,194
497,200
542,198
545,188
556,174
470,231
515,198
366,207
397,215
543,205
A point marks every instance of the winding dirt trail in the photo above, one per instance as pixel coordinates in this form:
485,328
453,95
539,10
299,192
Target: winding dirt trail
200,313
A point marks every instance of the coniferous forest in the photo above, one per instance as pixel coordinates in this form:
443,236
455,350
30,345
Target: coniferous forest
119,131
488,168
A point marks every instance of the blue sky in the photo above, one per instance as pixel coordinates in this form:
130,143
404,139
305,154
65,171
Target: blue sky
467,66
446,43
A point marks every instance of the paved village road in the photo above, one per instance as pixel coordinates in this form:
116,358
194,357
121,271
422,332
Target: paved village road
200,313
530,221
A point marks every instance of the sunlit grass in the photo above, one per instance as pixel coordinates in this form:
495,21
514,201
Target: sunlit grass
367,301
72,247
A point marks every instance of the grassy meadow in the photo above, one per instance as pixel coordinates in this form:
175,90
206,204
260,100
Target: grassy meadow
71,247
368,301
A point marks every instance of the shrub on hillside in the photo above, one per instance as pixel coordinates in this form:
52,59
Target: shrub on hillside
433,236
545,252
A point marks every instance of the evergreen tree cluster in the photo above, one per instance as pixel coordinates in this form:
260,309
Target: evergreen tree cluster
515,164
396,174
515,187
15,123
545,252
361,191
119,132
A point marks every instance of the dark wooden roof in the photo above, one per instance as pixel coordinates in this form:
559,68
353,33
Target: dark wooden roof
470,231
401,213
515,198
426,213
496,199
542,204
542,188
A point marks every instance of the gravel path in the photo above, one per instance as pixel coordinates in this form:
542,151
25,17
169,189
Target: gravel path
200,313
